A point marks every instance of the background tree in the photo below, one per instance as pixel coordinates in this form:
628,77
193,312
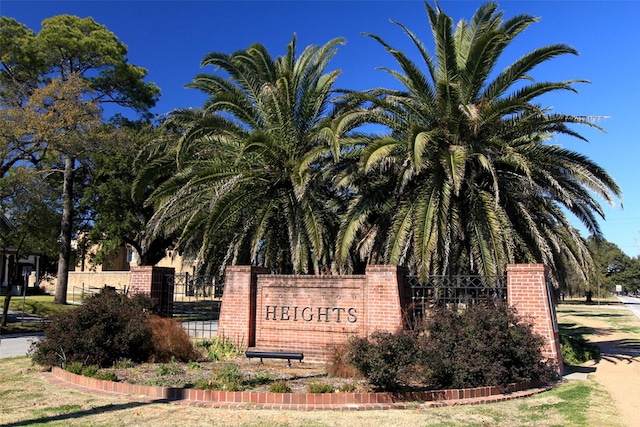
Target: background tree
31,209
475,183
117,215
60,117
614,267
89,65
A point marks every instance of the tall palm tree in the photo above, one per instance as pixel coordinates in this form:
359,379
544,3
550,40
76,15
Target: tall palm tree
250,184
473,179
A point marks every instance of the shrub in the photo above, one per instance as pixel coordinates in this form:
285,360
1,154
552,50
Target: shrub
319,387
74,368
105,375
124,363
385,359
349,387
172,368
202,384
257,379
280,387
576,350
228,377
90,371
107,327
340,365
170,341
480,345
220,348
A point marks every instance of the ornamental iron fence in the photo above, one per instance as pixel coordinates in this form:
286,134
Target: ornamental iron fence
453,290
196,303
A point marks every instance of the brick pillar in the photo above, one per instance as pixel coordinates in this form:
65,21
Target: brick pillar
383,298
156,283
529,292
237,319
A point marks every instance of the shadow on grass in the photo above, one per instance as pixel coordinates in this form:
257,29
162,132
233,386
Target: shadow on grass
579,313
593,303
624,350
574,330
81,414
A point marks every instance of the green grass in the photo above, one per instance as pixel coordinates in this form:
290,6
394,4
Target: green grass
621,320
40,305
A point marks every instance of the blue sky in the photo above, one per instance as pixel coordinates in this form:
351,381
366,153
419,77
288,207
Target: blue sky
169,38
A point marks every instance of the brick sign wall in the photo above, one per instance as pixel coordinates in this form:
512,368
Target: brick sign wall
313,314
308,313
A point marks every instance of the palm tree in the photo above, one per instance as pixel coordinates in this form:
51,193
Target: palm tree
473,182
251,183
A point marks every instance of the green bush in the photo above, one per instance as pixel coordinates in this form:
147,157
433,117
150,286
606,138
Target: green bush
124,363
105,375
90,371
349,387
576,350
107,327
280,387
219,348
228,377
319,387
202,384
257,379
74,368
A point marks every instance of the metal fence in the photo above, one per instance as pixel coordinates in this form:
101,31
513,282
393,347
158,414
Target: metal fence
196,303
454,290
77,294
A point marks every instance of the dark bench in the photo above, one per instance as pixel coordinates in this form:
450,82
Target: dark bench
274,355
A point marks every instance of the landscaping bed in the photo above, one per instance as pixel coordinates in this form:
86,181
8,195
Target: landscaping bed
300,377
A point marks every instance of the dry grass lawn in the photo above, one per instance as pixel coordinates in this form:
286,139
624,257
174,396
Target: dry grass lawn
26,398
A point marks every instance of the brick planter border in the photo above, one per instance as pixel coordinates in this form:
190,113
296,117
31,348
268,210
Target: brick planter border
299,401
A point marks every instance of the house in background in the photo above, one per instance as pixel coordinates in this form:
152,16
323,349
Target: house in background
126,257
18,273
87,277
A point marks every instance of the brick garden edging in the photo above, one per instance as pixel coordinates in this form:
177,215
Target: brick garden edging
299,401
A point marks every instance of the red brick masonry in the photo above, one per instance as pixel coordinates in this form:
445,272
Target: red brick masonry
314,314
299,401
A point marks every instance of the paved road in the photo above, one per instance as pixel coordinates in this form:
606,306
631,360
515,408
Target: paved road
632,304
17,345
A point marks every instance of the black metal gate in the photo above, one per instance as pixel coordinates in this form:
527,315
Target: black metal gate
454,290
196,303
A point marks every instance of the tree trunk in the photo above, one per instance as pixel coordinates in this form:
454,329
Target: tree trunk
5,307
64,255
